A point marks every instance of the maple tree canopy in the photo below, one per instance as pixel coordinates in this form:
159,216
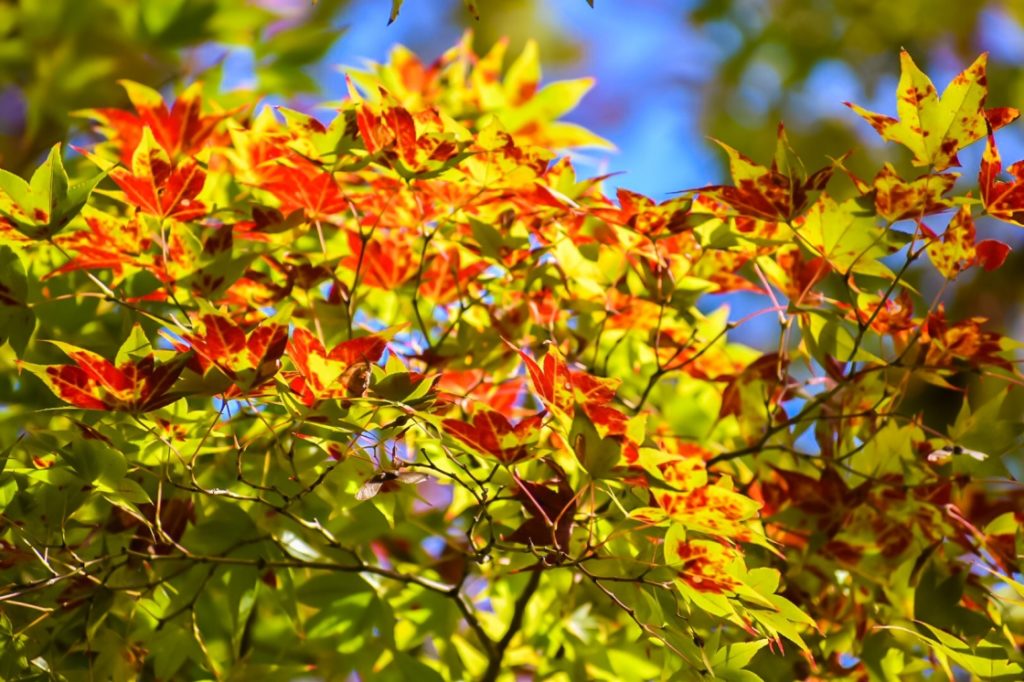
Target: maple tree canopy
399,396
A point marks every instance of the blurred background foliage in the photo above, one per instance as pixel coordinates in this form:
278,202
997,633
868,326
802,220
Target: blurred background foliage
671,73
57,56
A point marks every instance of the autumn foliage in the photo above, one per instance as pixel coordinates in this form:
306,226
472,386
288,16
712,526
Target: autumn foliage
398,395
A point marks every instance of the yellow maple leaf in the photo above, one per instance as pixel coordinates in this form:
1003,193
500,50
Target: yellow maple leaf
935,128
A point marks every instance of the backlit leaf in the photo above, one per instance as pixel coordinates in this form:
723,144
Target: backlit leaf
935,128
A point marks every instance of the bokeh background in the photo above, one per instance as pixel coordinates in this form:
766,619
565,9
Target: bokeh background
670,74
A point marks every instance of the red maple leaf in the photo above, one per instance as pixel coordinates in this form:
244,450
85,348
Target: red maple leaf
95,383
158,188
561,389
551,513
223,344
385,261
1003,199
180,130
323,374
491,433
301,185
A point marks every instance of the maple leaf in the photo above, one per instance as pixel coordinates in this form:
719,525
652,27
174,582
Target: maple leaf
704,565
1003,199
894,316
95,383
551,513
798,274
470,386
777,193
935,128
848,238
250,359
180,130
417,144
956,250
562,389
444,279
156,187
385,261
45,205
300,185
943,342
340,373
766,369
491,433
553,382
898,199
647,217
17,320
713,509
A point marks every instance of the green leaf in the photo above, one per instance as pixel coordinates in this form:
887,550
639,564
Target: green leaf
8,489
413,669
41,208
95,462
13,281
847,236
6,453
49,182
76,197
986,660
735,657
597,455
327,588
17,320
19,197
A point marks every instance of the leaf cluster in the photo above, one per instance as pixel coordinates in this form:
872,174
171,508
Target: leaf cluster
397,395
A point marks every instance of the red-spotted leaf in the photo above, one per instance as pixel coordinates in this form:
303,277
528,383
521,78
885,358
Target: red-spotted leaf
935,128
248,359
899,199
956,250
777,193
645,216
1003,199
95,383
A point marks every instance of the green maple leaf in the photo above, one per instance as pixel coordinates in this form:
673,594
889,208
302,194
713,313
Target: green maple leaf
45,205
